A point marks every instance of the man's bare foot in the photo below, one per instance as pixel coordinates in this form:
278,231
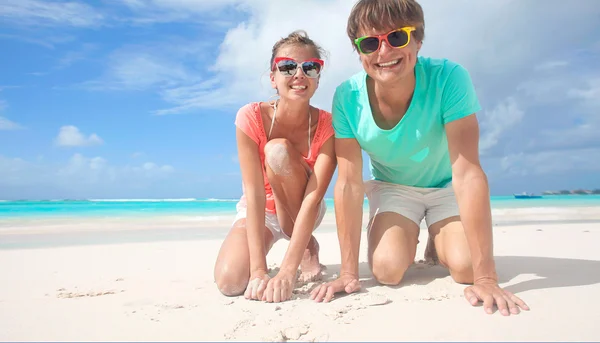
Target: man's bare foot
310,267
431,256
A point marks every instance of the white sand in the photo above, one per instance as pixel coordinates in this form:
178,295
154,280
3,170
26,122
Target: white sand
164,291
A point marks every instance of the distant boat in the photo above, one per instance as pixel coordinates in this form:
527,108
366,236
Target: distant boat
527,196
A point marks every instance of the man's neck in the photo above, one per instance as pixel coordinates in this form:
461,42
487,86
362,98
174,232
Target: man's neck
397,94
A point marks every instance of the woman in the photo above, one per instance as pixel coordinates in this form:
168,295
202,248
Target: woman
287,159
415,118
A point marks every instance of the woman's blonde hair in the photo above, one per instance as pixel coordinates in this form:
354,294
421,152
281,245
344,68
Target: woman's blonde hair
299,38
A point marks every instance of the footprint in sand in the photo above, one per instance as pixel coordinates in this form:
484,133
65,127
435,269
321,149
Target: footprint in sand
239,326
295,332
63,293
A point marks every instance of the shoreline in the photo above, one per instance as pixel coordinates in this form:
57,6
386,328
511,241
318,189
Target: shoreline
40,233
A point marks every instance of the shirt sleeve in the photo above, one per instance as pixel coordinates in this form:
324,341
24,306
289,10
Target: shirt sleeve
327,125
459,98
246,121
341,126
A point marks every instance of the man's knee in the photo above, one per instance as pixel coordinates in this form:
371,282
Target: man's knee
461,268
389,270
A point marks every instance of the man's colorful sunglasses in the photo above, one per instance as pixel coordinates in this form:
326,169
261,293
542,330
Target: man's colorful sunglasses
398,38
288,66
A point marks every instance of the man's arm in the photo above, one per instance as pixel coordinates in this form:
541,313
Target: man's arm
472,193
348,199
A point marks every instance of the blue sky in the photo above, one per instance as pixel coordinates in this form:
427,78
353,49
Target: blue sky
136,98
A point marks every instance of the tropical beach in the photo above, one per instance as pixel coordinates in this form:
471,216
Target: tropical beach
160,158
144,272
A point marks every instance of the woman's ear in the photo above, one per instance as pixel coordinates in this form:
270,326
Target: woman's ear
272,77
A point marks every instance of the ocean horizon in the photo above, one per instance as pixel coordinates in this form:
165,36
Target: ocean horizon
220,207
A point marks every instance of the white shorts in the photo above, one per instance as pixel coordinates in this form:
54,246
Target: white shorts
272,223
414,203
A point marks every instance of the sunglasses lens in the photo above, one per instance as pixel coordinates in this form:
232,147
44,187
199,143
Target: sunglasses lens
398,38
311,69
287,67
369,45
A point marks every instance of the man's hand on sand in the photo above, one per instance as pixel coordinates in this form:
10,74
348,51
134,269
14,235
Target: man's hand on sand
326,291
257,286
490,293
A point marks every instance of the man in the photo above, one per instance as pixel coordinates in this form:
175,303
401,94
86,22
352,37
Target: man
415,117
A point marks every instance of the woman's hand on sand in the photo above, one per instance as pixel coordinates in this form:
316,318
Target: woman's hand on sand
490,293
326,291
257,286
280,287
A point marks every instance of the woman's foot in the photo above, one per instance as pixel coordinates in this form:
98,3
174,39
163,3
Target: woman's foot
310,268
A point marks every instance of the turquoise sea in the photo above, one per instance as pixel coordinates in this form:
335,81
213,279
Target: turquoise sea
212,207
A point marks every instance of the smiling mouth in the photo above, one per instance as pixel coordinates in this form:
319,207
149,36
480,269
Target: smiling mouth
389,64
301,88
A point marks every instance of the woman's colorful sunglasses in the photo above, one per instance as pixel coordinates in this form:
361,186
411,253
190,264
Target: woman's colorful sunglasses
398,38
288,66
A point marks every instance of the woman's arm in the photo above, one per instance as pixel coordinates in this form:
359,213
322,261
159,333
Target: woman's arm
254,189
315,191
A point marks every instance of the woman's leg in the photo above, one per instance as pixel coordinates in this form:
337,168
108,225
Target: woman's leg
288,175
232,268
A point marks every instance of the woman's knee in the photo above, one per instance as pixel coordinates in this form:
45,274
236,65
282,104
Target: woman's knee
230,281
277,155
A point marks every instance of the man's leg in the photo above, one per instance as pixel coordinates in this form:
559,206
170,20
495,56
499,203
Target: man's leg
392,240
447,240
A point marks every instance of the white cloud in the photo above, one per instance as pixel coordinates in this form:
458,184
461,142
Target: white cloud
165,11
38,13
7,125
589,94
496,122
70,136
81,174
153,66
552,162
499,54
74,56
550,65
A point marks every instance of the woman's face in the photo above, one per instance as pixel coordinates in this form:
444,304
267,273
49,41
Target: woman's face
296,86
390,64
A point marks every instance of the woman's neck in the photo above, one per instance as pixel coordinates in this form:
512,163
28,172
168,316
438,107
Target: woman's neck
292,114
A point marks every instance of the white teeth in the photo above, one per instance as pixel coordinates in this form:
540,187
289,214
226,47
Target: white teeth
387,64
299,87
